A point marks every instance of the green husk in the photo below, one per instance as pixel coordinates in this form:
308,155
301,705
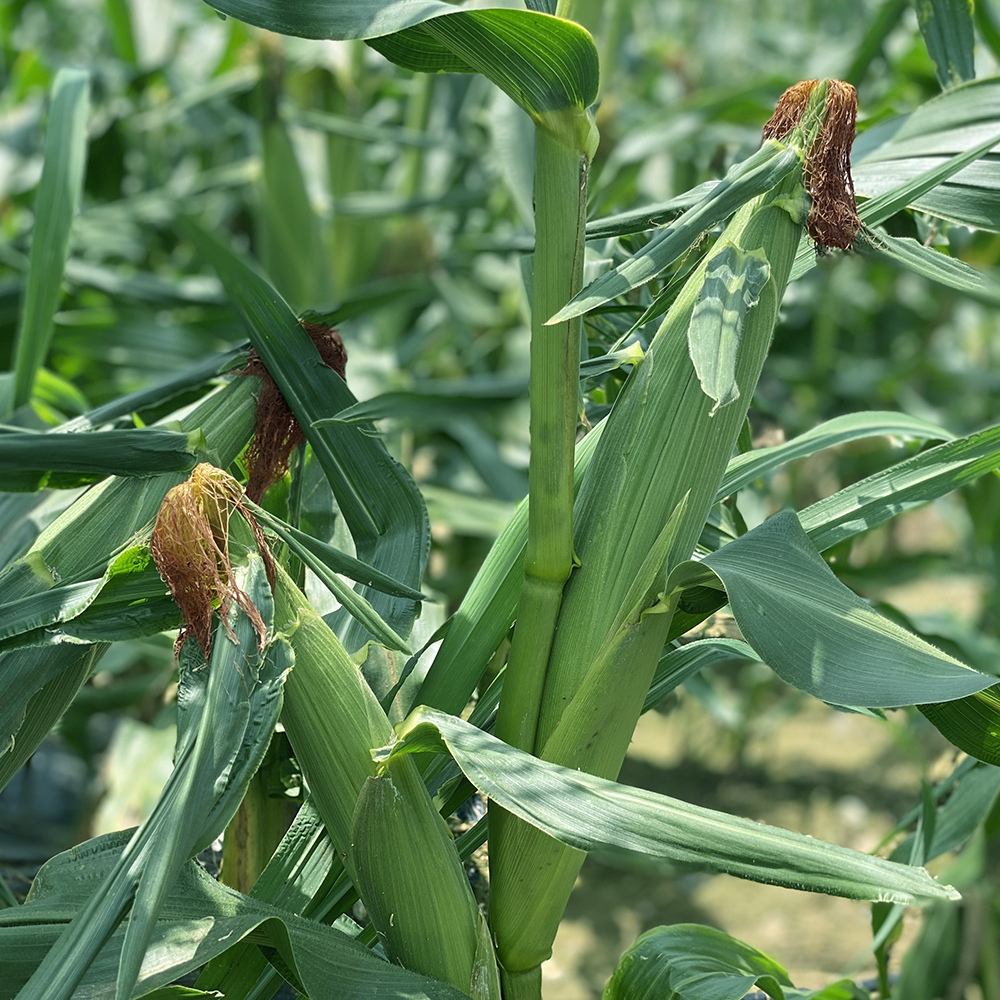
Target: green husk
384,826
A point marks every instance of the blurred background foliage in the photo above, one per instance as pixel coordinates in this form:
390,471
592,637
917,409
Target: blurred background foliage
399,206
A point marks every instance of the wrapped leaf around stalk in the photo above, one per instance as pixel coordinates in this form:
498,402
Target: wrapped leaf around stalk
190,546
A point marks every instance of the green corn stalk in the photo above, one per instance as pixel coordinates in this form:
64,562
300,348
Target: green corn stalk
382,821
640,511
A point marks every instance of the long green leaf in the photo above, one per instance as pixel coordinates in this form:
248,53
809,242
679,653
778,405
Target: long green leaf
545,64
910,483
745,468
140,452
931,263
380,502
199,920
746,180
594,814
948,33
898,151
679,663
55,205
819,636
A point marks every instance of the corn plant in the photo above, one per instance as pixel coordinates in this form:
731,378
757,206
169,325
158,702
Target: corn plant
571,629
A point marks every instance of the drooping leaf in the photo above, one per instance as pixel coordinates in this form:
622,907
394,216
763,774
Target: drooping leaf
55,206
948,33
140,452
732,286
819,636
691,962
644,828
931,263
543,63
840,430
677,664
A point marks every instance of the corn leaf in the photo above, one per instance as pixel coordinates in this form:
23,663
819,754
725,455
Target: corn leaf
226,715
380,502
691,962
968,803
199,920
678,663
910,483
334,18
288,231
543,63
55,205
732,286
638,220
746,180
433,399
747,467
140,452
972,724
948,33
630,824
931,263
897,151
819,636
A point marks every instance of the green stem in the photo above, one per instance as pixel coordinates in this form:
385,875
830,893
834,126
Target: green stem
560,207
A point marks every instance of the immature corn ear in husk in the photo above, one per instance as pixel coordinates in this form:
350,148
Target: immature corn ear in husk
190,546
394,844
662,456
425,912
277,433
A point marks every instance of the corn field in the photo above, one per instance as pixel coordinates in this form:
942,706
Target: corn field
404,400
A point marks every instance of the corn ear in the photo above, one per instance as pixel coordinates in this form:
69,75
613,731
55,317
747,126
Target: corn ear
390,837
667,440
426,914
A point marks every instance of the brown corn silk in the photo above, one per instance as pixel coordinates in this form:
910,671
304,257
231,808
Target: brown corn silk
190,546
276,432
833,215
